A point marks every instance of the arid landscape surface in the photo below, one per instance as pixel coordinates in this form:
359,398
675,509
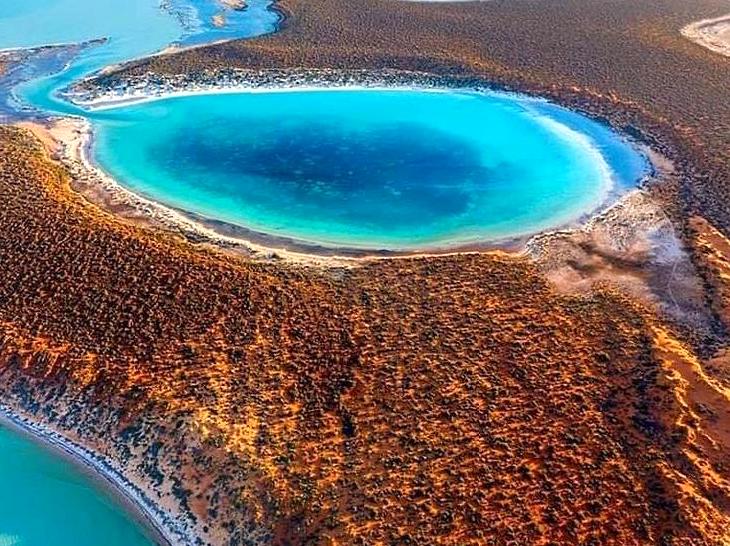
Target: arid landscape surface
461,399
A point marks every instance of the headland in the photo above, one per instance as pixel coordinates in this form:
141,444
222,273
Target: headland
577,392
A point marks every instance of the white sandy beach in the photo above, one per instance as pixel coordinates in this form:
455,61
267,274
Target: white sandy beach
714,34
110,100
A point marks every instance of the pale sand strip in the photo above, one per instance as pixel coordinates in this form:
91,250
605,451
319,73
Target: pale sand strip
238,5
714,34
68,140
109,101
160,526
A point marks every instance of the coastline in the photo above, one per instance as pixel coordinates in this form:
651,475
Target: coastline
69,140
173,48
712,34
103,91
103,103
157,524
22,64
103,189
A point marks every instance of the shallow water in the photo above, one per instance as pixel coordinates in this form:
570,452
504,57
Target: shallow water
46,501
138,29
368,168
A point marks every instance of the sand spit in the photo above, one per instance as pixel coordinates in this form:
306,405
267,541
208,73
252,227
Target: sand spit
104,93
714,34
163,528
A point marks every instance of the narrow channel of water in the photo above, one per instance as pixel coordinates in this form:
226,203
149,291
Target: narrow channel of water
44,499
131,30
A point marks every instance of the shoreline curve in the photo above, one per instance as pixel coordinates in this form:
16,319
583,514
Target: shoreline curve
712,34
226,233
69,140
132,499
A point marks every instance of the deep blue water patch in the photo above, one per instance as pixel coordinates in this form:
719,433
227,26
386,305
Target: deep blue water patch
389,174
390,169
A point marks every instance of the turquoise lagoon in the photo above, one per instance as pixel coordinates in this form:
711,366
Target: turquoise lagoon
363,168
46,501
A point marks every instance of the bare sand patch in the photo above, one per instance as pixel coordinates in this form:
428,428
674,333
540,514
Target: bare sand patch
714,34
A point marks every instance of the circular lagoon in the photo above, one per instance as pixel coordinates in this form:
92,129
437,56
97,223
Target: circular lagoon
386,169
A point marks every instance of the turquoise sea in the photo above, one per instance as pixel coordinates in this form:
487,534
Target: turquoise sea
47,501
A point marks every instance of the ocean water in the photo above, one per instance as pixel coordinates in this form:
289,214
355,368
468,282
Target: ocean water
132,29
46,501
396,169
